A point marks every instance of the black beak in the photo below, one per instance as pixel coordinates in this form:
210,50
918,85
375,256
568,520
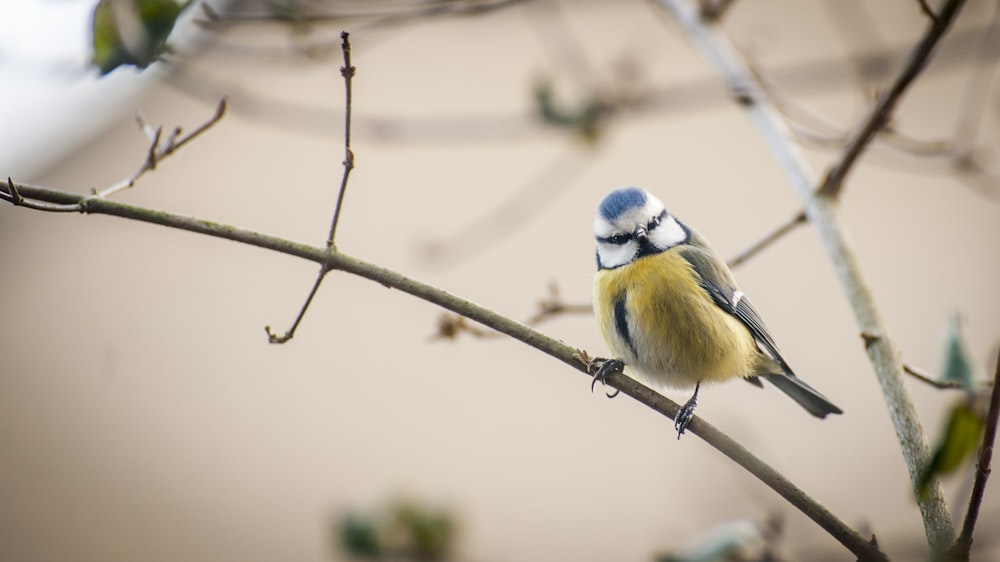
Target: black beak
640,235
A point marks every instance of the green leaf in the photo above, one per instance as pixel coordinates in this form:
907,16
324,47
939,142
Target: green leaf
359,537
957,366
403,530
430,531
131,32
958,443
586,119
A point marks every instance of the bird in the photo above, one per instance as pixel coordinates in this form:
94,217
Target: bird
671,312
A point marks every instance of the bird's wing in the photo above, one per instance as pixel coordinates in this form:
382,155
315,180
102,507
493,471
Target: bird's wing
719,283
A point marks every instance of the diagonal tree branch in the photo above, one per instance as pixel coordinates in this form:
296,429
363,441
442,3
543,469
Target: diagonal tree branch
964,543
821,212
331,259
880,114
766,241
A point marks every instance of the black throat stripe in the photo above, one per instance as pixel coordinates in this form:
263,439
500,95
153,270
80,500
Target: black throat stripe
621,323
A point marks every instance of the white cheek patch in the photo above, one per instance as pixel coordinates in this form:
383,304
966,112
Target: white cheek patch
669,234
615,255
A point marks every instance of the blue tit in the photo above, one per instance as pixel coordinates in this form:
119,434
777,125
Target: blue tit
670,310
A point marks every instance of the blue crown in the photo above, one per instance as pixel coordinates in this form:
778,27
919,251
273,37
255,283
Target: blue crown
621,200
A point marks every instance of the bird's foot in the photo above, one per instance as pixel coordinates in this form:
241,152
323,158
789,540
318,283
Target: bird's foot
603,368
686,412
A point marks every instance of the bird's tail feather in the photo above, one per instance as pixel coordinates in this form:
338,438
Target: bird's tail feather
807,396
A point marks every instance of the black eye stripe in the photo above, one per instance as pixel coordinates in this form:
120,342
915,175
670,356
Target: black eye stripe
616,239
622,237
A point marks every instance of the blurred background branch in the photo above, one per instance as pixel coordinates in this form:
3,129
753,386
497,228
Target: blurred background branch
492,121
819,202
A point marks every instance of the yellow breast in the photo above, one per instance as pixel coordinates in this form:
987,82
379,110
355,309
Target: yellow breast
676,335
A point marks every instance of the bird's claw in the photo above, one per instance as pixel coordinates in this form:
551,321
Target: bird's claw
684,415
602,369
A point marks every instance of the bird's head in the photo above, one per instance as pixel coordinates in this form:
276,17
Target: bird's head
631,223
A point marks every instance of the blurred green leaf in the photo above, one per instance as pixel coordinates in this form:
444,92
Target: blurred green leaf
957,444
359,537
430,531
957,366
131,32
405,530
585,119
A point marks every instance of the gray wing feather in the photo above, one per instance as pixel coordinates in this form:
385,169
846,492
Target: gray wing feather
719,283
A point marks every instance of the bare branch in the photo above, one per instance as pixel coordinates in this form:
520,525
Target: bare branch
713,10
766,241
975,98
817,74
13,196
450,325
927,378
347,71
861,39
880,114
331,259
927,10
821,213
155,153
964,543
273,337
367,19
553,306
811,129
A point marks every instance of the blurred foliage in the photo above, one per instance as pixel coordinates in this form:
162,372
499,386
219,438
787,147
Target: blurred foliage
405,530
132,32
965,422
586,119
956,444
957,365
736,541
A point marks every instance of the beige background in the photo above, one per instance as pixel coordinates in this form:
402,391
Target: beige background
144,416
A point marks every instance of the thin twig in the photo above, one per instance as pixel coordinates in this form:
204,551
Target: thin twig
333,260
925,377
273,337
813,75
13,196
553,306
451,325
975,98
155,153
766,241
860,36
713,10
821,212
881,113
927,10
347,71
810,129
964,543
